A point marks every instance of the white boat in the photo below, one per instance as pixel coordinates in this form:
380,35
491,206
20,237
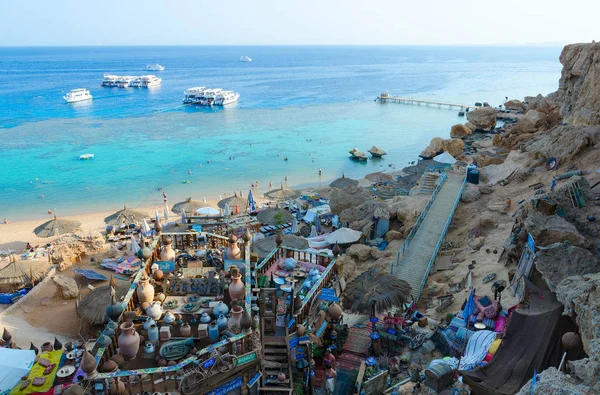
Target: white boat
194,95
125,81
245,59
110,80
75,95
208,98
149,81
155,67
226,97
86,156
136,83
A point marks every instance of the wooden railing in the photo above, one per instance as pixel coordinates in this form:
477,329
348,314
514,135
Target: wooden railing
286,252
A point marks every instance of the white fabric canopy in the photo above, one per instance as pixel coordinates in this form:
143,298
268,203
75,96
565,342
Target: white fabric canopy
208,211
135,247
227,213
344,236
146,228
445,157
14,364
312,213
294,229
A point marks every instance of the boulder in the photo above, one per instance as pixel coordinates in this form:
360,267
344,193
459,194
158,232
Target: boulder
351,196
393,235
66,287
560,260
470,194
515,105
486,158
536,118
471,127
359,252
435,147
485,189
454,147
564,142
348,266
483,118
460,131
365,211
549,229
553,382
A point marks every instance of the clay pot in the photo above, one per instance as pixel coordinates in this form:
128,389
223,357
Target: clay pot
88,365
233,251
166,252
116,387
154,310
185,330
160,297
145,291
571,341
47,347
118,359
222,322
109,366
281,377
129,341
301,330
246,321
220,309
334,311
234,322
158,275
162,362
237,289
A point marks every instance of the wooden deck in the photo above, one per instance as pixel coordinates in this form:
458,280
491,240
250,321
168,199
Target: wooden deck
418,102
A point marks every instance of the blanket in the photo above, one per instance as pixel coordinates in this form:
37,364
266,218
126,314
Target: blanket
37,370
477,348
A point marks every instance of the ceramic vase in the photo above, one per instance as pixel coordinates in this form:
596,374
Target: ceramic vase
116,387
301,330
145,291
166,252
237,289
213,331
234,321
222,322
154,311
185,330
153,333
220,309
169,317
129,341
205,318
149,348
148,322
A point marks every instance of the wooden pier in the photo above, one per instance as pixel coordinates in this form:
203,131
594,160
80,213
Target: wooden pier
385,98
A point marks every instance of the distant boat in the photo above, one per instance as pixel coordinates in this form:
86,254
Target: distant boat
155,67
75,95
245,59
86,156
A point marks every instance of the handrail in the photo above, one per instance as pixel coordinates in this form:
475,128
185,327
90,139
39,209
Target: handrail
418,223
438,246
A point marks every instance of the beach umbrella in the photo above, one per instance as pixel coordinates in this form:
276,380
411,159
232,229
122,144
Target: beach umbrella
166,212
282,193
92,307
56,227
343,182
209,211
379,177
146,228
125,216
156,215
445,158
204,200
231,201
274,216
251,202
23,272
313,231
188,206
265,246
375,289
344,236
135,247
294,229
226,211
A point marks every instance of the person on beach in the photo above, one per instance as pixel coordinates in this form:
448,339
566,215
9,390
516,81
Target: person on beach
330,376
286,179
270,184
252,185
5,221
43,197
165,197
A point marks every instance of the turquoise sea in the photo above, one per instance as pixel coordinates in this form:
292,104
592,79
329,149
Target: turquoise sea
300,102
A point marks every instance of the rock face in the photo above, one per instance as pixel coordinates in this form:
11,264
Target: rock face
553,382
564,142
483,118
460,131
549,229
361,217
559,261
579,85
352,196
66,286
486,158
515,105
470,126
454,147
470,194
359,252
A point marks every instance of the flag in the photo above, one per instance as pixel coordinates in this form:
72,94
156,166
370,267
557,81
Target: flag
469,307
251,202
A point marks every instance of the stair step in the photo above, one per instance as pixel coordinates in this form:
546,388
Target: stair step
274,350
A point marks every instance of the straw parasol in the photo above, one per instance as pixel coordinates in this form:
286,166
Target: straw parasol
274,216
283,193
344,236
343,182
56,227
378,289
23,272
125,216
92,308
379,177
188,206
232,201
264,246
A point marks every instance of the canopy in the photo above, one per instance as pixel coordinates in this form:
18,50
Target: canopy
208,211
344,236
125,216
445,158
92,308
264,246
22,272
343,182
226,211
14,364
232,201
283,193
56,227
379,177
188,206
274,216
314,212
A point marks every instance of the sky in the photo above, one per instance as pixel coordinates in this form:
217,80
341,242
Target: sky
295,22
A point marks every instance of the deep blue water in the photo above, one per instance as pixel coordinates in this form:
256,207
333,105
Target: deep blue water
144,139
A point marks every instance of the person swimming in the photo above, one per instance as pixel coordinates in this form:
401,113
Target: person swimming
320,172
285,159
189,171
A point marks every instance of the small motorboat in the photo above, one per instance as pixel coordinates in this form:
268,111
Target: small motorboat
86,156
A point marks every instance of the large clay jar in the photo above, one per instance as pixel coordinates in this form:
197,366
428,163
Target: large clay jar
334,312
220,309
117,387
233,251
166,252
129,341
237,289
234,322
145,290
154,311
185,330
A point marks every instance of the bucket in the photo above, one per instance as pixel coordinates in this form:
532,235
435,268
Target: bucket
473,176
438,376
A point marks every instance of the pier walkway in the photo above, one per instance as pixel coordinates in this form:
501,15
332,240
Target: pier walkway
407,100
417,255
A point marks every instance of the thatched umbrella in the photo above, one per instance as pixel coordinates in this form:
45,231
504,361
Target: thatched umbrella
56,227
23,272
379,177
343,182
188,206
92,308
233,201
274,216
263,247
126,216
375,289
283,193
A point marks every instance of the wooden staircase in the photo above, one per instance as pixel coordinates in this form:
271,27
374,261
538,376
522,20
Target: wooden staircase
429,182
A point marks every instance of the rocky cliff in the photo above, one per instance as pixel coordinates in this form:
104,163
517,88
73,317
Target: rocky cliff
579,86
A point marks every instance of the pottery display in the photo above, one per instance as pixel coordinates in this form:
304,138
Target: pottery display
149,321
234,321
246,322
237,289
169,317
112,325
220,309
145,290
176,349
233,251
103,341
222,322
185,330
129,341
213,331
290,264
154,311
205,318
107,331
149,348
109,366
153,333
166,251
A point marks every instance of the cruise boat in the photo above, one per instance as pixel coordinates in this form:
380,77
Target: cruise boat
148,81
208,98
75,95
110,80
136,83
245,59
226,97
125,81
193,95
155,67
